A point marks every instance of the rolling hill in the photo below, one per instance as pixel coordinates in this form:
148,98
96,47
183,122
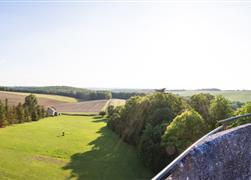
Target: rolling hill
43,99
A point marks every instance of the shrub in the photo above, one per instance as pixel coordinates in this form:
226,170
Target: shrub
150,109
102,113
110,110
245,109
150,150
201,103
184,130
142,122
220,108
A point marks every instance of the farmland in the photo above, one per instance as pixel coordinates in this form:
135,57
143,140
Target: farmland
43,99
88,107
85,106
62,103
117,102
233,95
87,151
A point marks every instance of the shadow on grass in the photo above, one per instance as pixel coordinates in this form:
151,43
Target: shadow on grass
110,158
100,120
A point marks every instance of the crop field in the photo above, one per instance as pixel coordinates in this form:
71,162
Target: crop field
88,150
117,102
233,95
43,99
85,106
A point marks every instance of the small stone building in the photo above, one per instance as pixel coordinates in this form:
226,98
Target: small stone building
51,111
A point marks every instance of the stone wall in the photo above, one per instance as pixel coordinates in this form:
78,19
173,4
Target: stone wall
225,156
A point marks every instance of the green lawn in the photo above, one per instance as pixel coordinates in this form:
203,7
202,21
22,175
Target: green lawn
88,150
233,95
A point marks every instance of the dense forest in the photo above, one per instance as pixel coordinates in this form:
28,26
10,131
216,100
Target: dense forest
162,125
79,93
29,111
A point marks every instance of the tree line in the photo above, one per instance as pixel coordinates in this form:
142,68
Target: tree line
79,93
162,125
26,112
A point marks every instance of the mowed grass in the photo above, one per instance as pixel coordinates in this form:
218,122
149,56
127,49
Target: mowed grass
233,95
88,150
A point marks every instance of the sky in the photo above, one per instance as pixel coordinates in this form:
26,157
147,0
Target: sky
126,44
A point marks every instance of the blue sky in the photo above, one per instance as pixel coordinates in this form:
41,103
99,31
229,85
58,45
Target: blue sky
126,45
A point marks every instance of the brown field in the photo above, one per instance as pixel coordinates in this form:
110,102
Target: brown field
85,107
117,102
62,103
15,98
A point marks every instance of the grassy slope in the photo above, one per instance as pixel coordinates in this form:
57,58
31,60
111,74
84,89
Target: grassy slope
48,96
232,95
87,151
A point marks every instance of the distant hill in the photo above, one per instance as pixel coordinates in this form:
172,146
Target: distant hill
233,95
79,93
209,89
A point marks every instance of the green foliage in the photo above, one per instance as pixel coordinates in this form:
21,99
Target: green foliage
110,110
114,121
220,108
3,121
22,112
150,151
141,122
102,113
30,101
245,109
126,95
201,104
140,111
184,130
236,104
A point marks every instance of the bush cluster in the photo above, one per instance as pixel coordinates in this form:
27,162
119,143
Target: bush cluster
162,125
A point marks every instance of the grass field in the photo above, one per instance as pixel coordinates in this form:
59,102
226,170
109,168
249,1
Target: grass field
43,99
88,150
233,95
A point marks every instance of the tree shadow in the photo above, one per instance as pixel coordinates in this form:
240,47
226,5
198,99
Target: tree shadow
100,120
109,158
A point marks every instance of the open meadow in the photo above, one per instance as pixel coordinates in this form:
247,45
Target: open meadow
233,95
88,150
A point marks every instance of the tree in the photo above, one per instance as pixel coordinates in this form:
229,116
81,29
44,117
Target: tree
201,104
27,116
245,109
184,130
220,108
20,114
110,110
150,150
3,121
30,102
102,113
